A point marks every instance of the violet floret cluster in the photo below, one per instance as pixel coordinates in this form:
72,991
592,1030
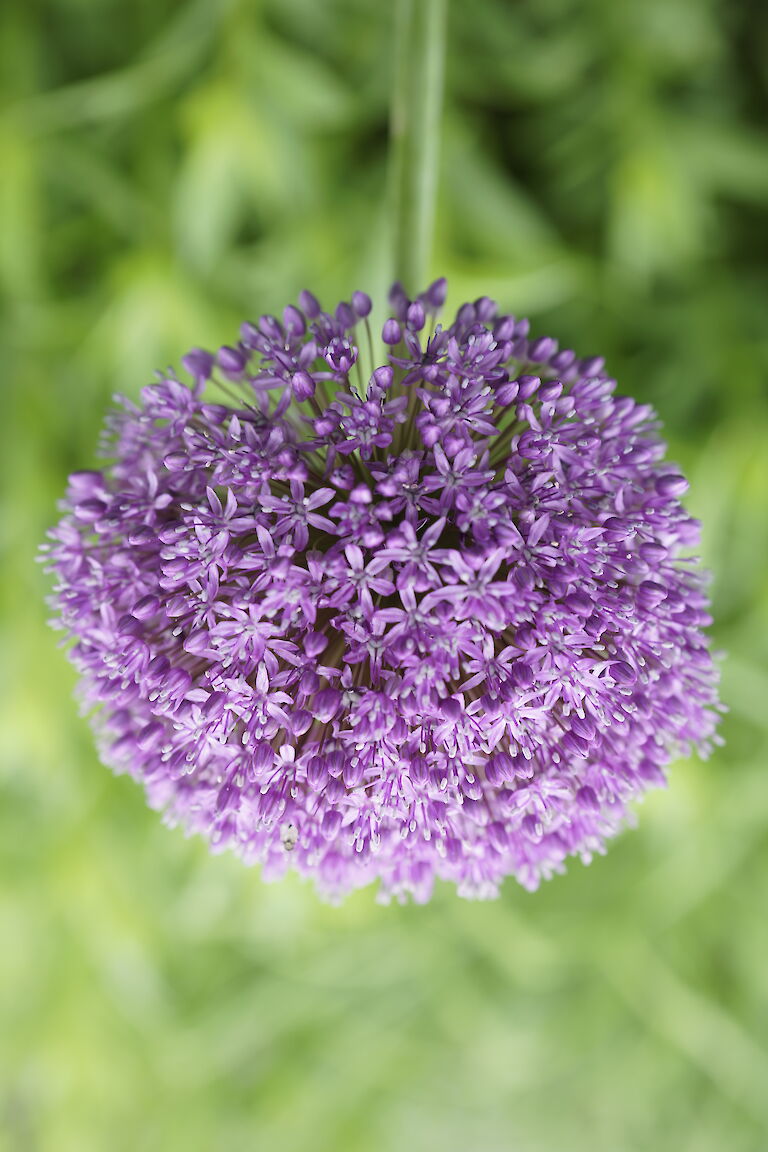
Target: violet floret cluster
433,618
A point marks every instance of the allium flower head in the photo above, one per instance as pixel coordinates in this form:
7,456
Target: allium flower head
432,618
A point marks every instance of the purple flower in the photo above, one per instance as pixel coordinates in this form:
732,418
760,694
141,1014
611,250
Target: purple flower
442,623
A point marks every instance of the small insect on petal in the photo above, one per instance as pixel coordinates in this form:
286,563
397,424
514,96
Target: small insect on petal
289,836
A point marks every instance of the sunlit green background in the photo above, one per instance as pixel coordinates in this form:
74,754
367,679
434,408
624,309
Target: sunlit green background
167,169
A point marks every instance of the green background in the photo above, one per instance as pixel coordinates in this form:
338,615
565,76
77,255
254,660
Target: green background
168,169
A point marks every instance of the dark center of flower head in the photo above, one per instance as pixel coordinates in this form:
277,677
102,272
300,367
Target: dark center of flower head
428,618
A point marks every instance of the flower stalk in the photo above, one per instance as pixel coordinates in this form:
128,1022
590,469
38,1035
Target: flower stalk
415,119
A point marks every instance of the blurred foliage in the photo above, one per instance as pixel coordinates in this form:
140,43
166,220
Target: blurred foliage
168,168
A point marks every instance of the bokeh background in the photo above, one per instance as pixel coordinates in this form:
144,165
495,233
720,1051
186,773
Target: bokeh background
170,168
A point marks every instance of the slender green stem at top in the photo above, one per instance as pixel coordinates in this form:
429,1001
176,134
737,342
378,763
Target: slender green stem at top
415,129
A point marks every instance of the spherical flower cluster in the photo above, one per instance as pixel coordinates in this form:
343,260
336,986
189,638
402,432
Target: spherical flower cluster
433,618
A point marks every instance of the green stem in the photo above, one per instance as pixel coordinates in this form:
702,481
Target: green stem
415,128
